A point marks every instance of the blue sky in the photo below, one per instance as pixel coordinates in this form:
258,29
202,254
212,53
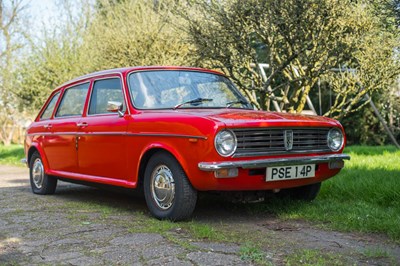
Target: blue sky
41,11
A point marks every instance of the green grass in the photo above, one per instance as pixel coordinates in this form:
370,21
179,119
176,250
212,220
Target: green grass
313,257
11,155
253,253
364,197
195,229
376,253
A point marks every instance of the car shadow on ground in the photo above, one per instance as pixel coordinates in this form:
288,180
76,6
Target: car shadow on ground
109,197
210,207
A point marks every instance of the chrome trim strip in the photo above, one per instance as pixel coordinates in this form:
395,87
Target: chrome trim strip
266,141
248,164
166,135
52,134
247,154
117,134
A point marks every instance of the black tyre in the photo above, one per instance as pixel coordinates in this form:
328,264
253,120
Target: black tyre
305,193
41,183
167,190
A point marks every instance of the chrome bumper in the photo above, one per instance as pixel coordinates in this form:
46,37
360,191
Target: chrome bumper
248,164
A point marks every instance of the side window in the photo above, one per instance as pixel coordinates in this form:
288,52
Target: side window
104,91
73,101
50,107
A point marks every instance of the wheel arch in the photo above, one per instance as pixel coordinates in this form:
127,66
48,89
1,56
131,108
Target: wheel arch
149,152
36,148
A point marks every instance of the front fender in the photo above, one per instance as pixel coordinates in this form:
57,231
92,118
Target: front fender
167,147
185,150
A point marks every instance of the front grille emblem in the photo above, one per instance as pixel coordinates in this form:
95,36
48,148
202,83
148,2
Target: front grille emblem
288,138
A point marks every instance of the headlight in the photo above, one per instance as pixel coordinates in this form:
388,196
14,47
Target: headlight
335,139
225,143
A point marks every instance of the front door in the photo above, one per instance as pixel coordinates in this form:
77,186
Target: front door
102,133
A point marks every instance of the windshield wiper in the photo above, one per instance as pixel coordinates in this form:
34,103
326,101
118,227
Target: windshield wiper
193,102
229,104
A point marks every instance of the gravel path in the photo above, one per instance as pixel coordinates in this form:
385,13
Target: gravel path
87,226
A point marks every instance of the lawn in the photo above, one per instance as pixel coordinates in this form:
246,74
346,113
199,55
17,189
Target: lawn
364,197
11,155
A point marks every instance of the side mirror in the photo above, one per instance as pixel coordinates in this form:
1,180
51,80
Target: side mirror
115,107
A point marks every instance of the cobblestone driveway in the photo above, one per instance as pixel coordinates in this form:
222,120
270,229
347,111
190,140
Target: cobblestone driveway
40,230
87,226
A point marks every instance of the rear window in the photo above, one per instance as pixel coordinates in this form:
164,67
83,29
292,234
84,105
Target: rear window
73,101
50,107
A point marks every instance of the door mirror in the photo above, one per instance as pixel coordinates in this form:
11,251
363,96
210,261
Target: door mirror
115,107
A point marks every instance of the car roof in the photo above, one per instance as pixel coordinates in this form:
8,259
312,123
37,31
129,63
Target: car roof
123,70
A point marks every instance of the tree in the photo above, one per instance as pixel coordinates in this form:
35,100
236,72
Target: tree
12,37
116,34
56,57
129,33
374,65
301,41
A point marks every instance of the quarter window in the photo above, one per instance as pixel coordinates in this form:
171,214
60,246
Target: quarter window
104,91
50,107
73,101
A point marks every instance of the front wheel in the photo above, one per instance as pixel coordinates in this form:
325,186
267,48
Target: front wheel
167,190
41,183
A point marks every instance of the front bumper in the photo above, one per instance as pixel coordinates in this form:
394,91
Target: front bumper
262,163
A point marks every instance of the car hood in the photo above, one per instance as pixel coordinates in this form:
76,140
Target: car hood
250,118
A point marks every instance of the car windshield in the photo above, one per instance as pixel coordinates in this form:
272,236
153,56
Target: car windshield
173,89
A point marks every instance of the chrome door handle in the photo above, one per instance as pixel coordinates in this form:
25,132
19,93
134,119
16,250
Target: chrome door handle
48,126
83,124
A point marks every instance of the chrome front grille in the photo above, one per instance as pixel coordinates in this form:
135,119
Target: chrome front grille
267,141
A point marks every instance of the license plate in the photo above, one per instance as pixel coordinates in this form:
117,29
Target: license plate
290,172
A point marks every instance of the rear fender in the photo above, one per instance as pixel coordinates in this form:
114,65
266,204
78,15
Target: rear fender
36,147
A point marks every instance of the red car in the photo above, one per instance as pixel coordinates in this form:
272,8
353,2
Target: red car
174,131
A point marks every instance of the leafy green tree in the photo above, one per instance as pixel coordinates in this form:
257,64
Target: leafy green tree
301,41
50,65
12,40
119,34
135,33
55,58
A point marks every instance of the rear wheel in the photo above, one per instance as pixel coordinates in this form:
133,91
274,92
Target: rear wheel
167,190
41,183
305,193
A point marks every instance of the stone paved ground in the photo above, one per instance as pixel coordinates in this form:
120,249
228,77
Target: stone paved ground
87,226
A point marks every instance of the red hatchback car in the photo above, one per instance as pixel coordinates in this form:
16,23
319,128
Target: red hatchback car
174,131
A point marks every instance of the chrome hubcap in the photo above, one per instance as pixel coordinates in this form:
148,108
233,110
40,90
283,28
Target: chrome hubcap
162,187
38,173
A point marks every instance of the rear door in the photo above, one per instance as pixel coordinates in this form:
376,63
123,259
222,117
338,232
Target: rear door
61,144
42,130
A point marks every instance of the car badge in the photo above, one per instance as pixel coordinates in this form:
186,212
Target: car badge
288,138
